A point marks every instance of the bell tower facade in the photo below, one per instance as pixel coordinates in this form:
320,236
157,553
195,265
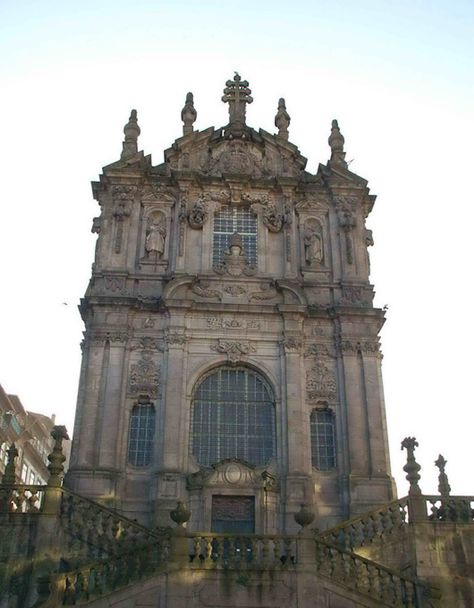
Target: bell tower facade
231,354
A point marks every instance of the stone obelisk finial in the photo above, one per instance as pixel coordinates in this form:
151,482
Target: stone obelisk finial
412,468
131,131
443,483
188,114
336,142
237,95
282,119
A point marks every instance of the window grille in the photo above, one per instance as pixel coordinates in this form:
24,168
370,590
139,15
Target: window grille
323,440
141,434
233,417
230,220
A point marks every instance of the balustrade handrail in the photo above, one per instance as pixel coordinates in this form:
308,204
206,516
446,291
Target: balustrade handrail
438,497
365,560
154,534
347,523
252,535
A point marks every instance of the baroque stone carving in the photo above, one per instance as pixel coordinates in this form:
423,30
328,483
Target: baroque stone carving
146,343
198,214
175,338
272,219
318,350
292,344
114,284
235,290
144,377
233,349
268,292
234,260
320,382
100,337
203,290
353,295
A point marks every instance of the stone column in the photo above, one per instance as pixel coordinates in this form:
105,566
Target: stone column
298,486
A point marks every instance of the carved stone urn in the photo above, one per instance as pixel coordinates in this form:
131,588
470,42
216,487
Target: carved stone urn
304,517
181,514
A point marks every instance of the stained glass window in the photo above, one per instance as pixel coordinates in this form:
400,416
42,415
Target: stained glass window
141,434
233,416
230,220
323,440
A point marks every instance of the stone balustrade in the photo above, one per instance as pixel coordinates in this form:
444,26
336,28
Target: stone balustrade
21,498
104,576
209,550
455,509
104,531
367,577
361,530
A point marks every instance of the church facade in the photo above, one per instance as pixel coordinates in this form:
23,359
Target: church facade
230,444
231,354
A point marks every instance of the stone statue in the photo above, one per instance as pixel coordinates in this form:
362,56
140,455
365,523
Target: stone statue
272,219
313,249
155,239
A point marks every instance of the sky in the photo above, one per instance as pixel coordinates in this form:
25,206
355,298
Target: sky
399,77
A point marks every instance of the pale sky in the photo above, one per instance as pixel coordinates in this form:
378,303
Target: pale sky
397,75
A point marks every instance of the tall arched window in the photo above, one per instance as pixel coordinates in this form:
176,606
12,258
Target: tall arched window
141,434
323,440
233,416
230,220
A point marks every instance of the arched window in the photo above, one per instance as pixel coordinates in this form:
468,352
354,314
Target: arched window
233,416
323,440
230,220
141,434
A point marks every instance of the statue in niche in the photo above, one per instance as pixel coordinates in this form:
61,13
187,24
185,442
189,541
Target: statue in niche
155,238
313,246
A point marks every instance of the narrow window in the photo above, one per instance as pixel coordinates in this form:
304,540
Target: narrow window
323,440
230,220
140,436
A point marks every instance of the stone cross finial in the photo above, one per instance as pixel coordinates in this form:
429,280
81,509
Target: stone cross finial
237,95
282,119
131,131
412,467
443,484
9,477
336,142
188,114
57,457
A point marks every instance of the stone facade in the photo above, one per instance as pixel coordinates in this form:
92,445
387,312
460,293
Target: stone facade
161,314
191,321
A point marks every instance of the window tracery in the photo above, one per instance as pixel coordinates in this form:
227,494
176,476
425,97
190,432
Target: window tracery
233,416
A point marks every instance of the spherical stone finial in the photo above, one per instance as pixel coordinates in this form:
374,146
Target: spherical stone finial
305,516
282,119
180,514
188,114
